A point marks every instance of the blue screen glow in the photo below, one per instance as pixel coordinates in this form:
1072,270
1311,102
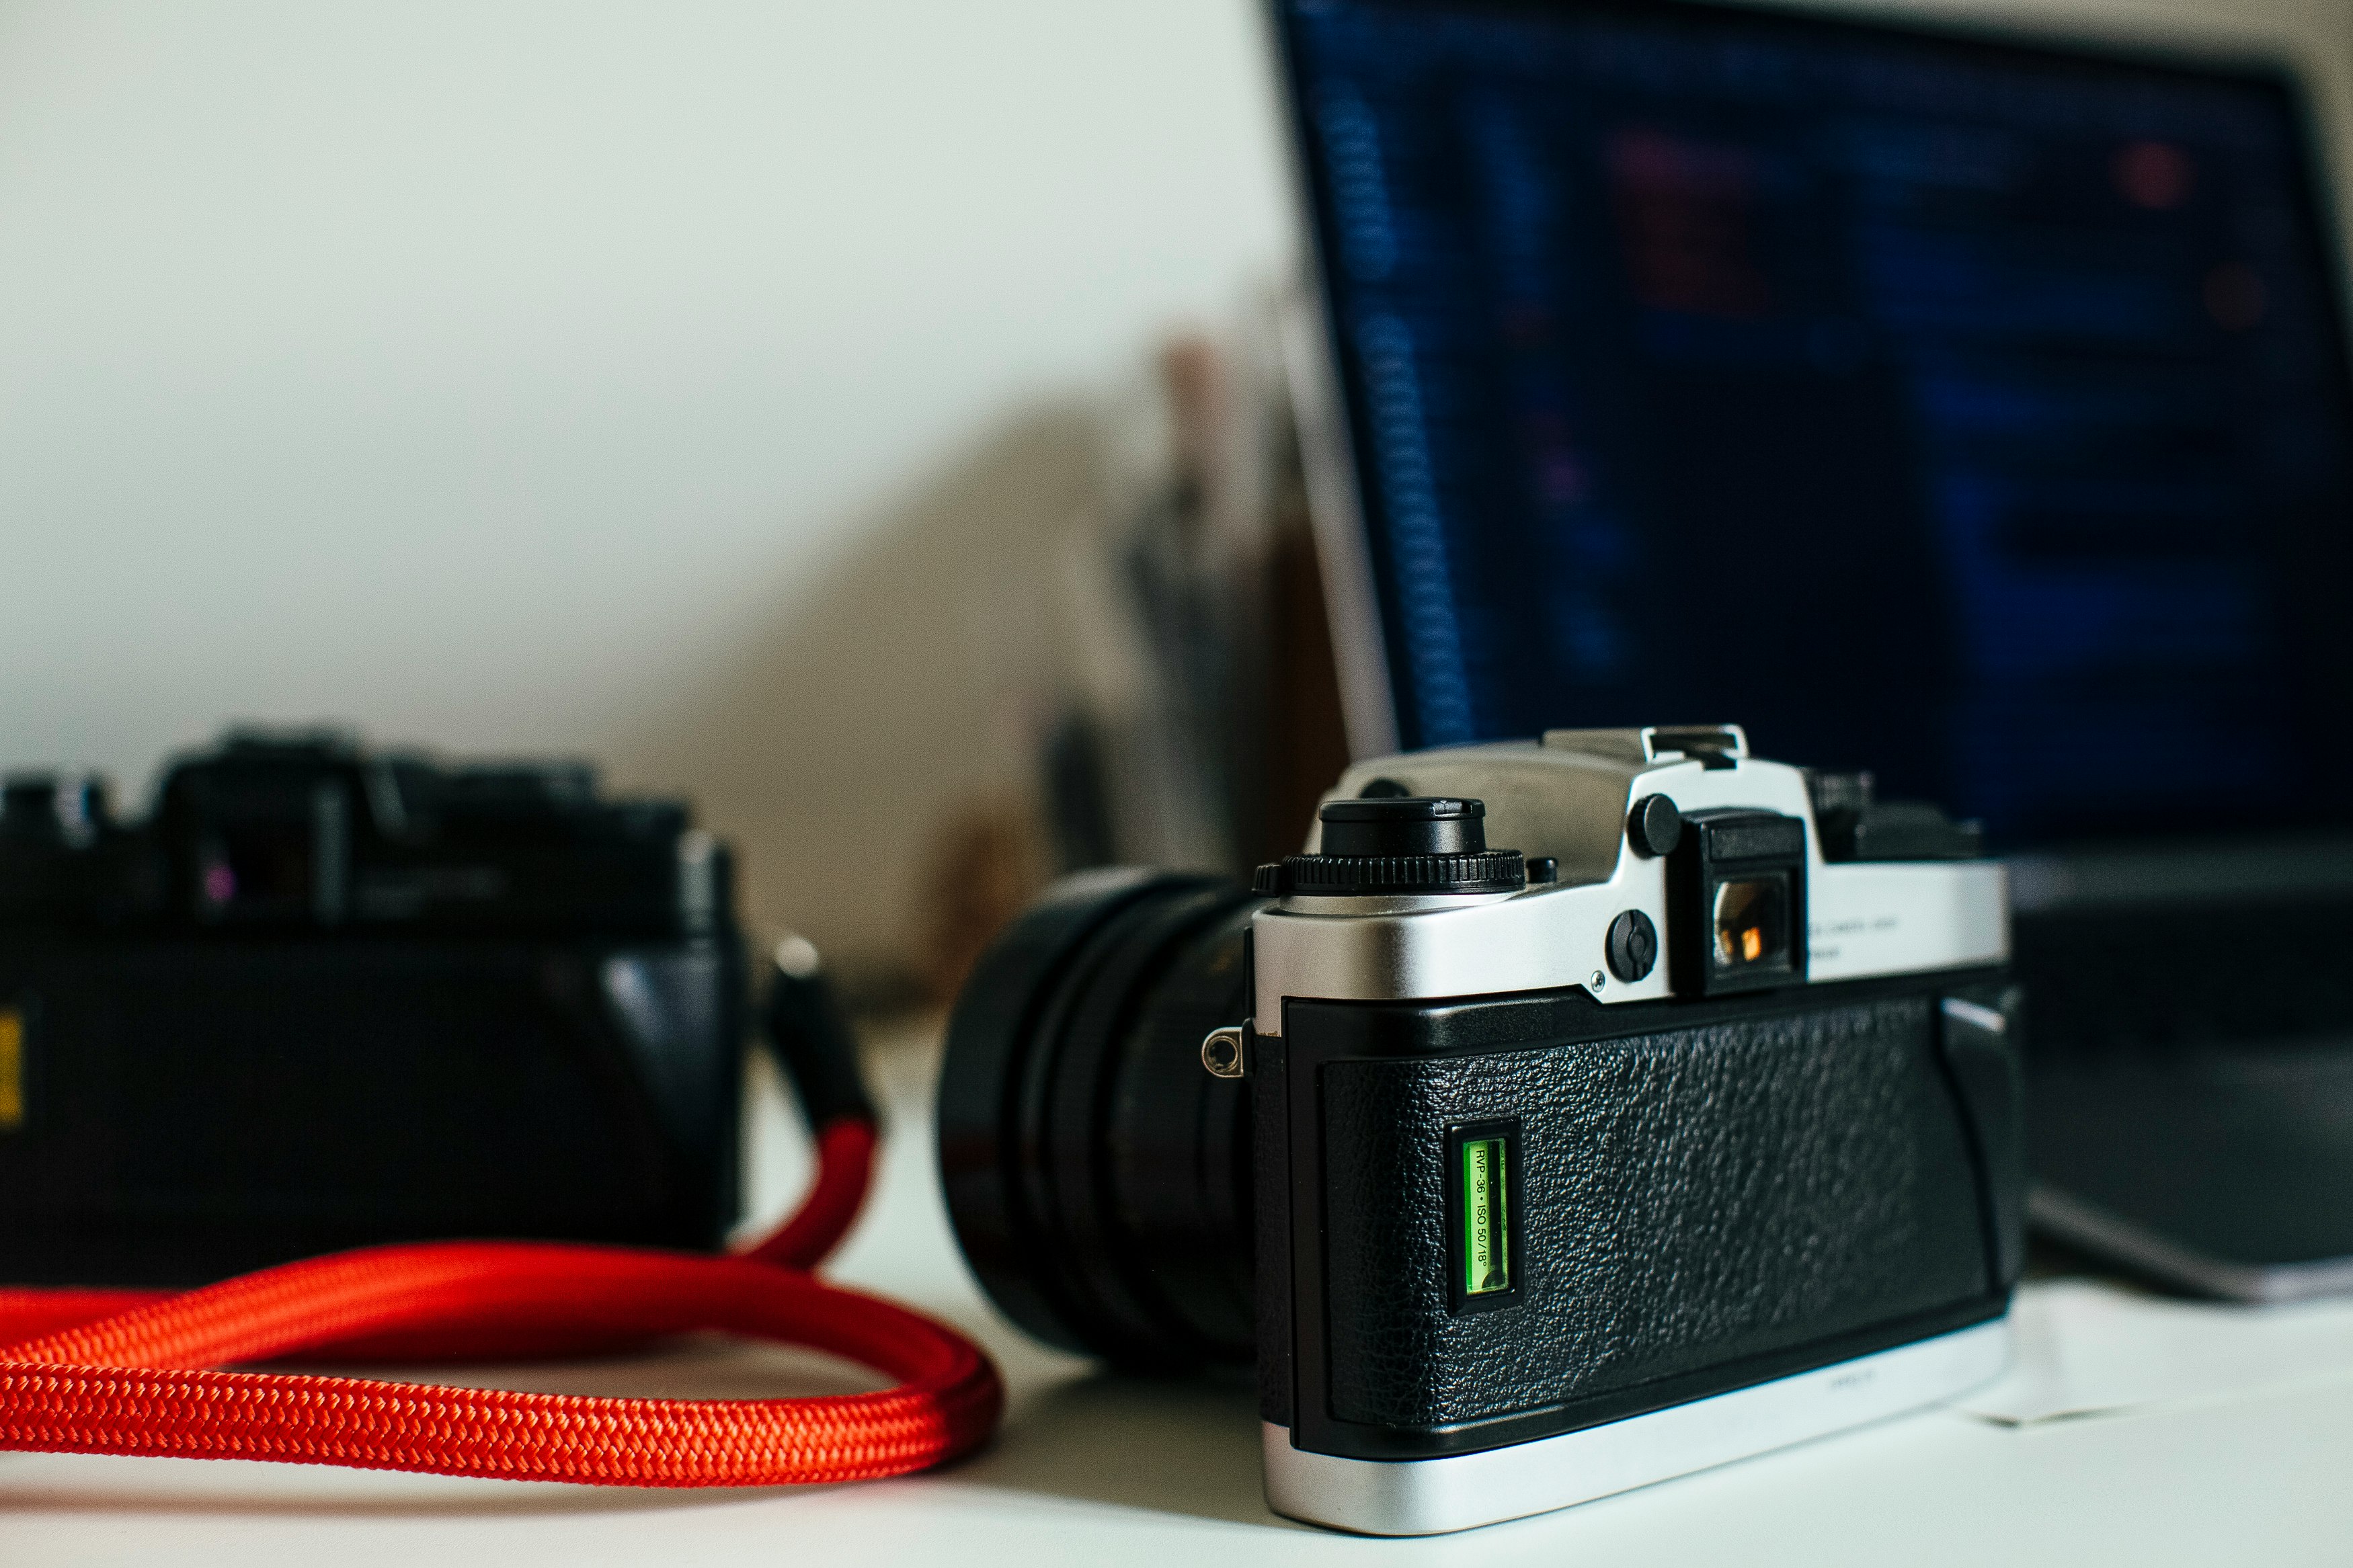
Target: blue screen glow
1970,412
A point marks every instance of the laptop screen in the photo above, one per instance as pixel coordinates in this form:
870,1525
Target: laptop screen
1972,413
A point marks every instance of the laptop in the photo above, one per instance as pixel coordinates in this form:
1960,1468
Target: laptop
1968,409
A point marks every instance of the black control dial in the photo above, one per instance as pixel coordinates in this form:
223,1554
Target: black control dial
1398,845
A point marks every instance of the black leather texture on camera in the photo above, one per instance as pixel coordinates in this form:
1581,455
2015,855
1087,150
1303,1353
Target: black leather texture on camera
1770,1186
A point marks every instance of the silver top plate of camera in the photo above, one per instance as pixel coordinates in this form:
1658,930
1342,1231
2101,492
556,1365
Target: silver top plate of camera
1569,798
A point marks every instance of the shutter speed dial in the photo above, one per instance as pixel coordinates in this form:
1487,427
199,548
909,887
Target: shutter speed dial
1397,846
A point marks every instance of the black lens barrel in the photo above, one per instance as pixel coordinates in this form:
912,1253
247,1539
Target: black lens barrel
1097,1178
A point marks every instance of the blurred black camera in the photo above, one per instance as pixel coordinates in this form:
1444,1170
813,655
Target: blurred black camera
325,997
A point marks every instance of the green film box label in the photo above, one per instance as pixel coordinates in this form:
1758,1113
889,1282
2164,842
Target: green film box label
1486,1250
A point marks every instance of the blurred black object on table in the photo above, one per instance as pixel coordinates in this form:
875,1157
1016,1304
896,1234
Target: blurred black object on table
324,997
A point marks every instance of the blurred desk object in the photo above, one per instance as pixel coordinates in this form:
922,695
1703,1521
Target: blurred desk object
2132,1428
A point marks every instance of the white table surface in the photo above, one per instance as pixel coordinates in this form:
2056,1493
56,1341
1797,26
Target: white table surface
2136,1430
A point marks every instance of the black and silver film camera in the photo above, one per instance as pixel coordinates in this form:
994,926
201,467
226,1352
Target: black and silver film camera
1684,1128
324,997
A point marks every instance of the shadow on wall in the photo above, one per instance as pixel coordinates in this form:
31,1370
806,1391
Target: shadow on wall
871,754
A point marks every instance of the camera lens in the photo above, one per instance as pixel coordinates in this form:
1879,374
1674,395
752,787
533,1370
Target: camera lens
1752,921
1098,1179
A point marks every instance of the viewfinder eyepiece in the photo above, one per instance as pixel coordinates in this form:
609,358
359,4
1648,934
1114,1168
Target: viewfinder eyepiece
1736,902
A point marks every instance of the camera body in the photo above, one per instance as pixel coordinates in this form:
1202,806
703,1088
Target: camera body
1693,1143
1685,1128
325,997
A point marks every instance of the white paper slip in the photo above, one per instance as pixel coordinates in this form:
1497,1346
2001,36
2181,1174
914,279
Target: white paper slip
2088,1348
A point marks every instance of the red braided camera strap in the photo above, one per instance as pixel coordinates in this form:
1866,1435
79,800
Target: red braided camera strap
122,1372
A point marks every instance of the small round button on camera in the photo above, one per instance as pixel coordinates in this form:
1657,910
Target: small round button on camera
1633,945
1654,827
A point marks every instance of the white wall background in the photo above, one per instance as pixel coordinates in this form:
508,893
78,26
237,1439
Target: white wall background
487,373
463,368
